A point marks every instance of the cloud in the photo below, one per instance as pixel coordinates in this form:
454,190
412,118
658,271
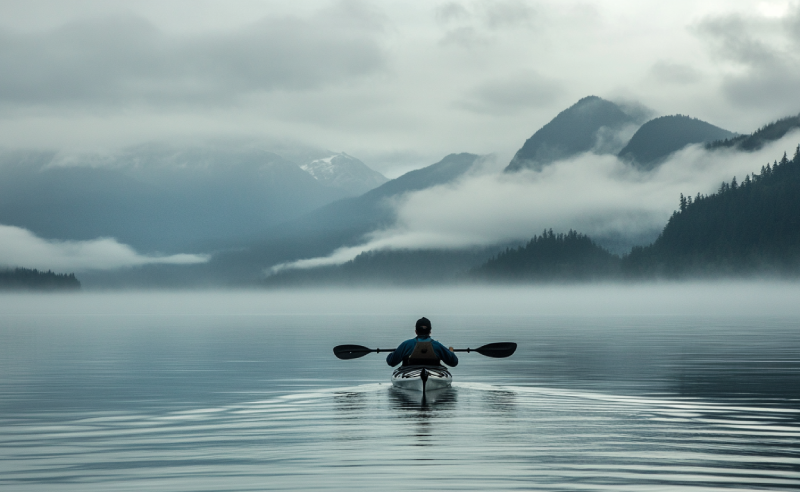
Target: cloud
21,248
480,22
764,54
674,73
500,14
127,59
513,93
108,73
595,195
451,12
465,37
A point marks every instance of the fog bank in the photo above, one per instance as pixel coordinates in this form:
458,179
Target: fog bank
751,298
21,248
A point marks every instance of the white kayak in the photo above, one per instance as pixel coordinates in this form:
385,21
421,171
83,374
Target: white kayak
422,378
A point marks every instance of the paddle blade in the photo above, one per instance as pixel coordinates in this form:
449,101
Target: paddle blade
497,350
346,352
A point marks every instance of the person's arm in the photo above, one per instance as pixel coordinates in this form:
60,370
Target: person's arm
447,356
396,357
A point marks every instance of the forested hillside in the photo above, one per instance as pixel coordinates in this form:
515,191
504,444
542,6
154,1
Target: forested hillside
757,139
745,227
570,256
32,279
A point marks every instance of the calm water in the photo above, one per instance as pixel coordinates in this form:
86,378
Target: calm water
654,388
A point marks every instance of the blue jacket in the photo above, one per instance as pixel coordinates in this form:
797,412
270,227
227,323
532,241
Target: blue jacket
406,348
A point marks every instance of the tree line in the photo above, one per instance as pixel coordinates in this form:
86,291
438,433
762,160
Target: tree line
32,279
550,256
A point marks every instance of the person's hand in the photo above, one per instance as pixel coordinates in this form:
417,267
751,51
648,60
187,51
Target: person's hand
451,349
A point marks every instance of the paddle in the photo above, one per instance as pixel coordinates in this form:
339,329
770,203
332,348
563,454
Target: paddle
497,350
346,352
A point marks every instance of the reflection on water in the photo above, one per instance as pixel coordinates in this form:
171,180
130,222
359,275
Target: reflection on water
471,437
257,402
421,414
415,400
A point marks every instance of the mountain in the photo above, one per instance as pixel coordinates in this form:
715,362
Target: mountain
768,133
154,198
341,223
366,212
243,260
344,172
553,257
575,130
660,137
744,228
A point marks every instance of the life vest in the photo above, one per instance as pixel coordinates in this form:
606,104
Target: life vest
423,355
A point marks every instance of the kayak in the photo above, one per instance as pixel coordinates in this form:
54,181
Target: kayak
422,378
422,370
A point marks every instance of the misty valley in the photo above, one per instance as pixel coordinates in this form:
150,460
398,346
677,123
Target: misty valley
619,197
344,245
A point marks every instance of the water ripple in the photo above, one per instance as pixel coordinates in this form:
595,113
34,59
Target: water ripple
472,437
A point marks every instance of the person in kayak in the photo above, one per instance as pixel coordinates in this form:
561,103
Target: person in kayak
423,329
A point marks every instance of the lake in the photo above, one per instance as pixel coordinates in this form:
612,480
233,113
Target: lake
613,387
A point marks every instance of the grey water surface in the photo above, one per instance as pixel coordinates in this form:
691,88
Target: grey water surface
240,391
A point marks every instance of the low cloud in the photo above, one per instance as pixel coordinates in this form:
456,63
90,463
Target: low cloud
127,59
21,248
593,194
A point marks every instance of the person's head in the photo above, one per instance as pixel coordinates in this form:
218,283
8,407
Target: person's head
423,327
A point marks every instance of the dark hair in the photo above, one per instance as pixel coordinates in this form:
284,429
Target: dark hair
423,326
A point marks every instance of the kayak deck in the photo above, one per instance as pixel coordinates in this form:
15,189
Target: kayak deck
411,377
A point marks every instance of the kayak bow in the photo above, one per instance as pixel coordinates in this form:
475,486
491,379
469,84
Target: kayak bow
421,378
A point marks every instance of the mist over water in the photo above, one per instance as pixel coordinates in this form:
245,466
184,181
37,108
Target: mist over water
194,144
678,386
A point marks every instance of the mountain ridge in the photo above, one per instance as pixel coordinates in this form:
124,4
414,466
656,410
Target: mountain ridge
573,131
658,138
161,201
756,140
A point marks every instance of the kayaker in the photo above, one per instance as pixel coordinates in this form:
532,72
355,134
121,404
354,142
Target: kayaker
423,329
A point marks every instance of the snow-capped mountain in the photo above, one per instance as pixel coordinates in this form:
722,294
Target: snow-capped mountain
344,172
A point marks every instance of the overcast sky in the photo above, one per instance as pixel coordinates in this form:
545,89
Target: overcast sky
398,84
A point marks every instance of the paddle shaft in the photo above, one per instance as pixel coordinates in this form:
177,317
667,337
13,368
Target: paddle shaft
496,350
